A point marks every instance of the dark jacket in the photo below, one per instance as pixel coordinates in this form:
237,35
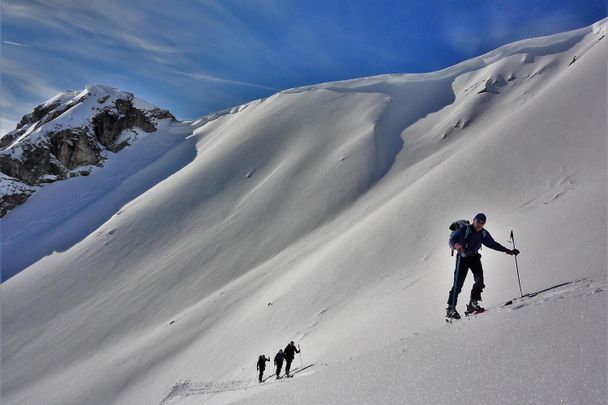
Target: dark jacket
278,359
472,240
262,362
290,351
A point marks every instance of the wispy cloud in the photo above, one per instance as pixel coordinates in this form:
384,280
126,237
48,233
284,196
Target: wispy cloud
21,92
498,24
101,26
205,45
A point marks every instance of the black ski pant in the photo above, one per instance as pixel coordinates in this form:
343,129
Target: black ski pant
463,264
279,367
288,361
261,374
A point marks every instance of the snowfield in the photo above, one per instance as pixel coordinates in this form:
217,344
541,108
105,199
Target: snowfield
518,354
321,215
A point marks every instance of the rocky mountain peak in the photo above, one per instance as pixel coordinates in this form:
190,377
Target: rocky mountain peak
69,134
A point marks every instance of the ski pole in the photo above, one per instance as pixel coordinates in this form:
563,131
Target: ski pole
456,277
516,266
301,363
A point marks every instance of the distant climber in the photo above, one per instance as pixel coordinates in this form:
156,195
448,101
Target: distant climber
289,352
278,362
262,366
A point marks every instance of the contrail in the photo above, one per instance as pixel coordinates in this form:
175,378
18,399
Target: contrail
15,43
200,76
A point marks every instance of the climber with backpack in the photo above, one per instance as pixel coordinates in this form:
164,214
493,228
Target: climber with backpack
261,366
289,353
278,362
466,238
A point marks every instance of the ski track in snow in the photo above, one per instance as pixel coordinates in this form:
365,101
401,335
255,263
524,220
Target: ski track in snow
566,290
204,391
577,289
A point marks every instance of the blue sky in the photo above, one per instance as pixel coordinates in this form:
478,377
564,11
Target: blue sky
195,57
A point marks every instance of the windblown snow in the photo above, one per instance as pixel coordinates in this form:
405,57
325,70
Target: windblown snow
321,215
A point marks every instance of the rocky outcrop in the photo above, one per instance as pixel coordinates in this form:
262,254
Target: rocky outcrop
108,125
12,193
69,134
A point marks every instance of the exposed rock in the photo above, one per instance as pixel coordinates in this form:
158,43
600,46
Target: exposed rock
110,122
7,139
63,136
39,112
12,194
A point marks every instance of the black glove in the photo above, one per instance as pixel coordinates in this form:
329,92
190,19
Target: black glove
513,252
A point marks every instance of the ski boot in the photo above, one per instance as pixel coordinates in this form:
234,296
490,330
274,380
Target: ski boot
474,308
451,313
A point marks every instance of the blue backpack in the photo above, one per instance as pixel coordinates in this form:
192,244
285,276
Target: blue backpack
455,226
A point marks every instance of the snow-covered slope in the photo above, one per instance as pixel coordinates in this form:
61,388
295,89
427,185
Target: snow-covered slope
320,215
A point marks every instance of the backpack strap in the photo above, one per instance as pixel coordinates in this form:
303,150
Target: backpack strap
467,236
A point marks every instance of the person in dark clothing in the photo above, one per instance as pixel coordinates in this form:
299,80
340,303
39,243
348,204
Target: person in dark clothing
262,365
467,241
278,362
289,352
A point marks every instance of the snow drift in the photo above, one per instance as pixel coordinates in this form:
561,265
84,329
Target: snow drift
320,215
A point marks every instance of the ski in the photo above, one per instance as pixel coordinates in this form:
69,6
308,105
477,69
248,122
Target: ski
535,293
294,371
468,314
298,369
